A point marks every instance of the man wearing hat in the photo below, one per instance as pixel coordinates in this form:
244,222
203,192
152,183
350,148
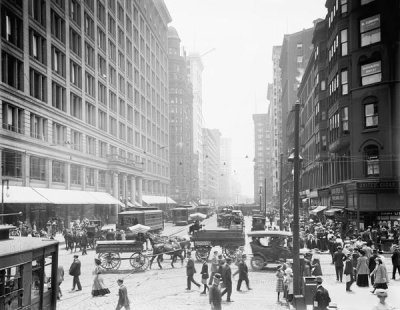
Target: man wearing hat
321,297
349,272
190,271
338,258
227,278
75,271
395,261
215,297
243,271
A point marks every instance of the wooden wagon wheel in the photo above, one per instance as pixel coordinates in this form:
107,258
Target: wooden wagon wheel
202,253
138,261
230,251
110,260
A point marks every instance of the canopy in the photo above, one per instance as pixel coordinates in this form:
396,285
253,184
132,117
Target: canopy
157,200
317,209
198,216
109,227
332,211
139,228
267,233
22,194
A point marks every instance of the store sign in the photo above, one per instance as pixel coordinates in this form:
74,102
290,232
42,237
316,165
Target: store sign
372,68
337,194
370,23
378,185
390,213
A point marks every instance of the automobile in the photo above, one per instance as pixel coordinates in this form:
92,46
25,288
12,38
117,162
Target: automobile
270,246
258,222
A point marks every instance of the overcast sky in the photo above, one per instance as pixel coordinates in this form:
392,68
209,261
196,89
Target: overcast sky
238,71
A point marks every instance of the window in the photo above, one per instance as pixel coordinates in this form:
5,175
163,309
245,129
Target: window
76,74
102,66
58,97
122,108
39,128
130,114
371,73
89,84
345,82
11,163
13,118
113,102
343,6
343,42
90,176
113,76
371,153
89,55
37,46
76,174
101,13
111,26
111,5
11,28
76,140
12,71
75,12
58,173
102,120
38,85
113,126
122,131
37,169
121,38
57,61
89,26
90,4
102,179
75,42
102,149
102,93
363,2
121,84
112,50
345,120
37,9
75,106
57,26
101,39
90,110
130,135
371,115
90,145
120,13
59,134
121,61
370,30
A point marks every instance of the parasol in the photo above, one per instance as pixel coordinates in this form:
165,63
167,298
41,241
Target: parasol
139,228
198,216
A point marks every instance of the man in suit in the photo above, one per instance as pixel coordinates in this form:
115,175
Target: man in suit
75,271
321,297
123,300
214,267
349,272
215,293
190,271
338,258
227,278
395,261
243,271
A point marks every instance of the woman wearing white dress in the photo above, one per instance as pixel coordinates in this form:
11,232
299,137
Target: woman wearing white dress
98,288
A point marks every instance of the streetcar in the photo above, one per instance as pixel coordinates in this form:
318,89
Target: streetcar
181,214
152,218
205,209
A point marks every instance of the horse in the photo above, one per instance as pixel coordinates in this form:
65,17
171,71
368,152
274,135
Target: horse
171,247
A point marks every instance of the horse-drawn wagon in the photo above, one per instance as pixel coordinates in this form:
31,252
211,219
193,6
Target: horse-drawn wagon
228,240
109,254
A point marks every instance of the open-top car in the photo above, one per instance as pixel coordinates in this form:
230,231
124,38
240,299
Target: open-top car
270,246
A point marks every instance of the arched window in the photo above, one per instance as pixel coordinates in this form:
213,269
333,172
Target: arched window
371,154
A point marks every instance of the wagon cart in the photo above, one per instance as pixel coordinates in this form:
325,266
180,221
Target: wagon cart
109,254
91,232
228,240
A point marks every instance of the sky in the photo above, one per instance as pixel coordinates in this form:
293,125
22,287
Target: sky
238,36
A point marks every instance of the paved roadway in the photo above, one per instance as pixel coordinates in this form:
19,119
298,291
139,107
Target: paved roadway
165,289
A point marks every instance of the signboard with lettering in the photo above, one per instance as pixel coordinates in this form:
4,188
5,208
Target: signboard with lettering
378,185
338,196
371,68
370,23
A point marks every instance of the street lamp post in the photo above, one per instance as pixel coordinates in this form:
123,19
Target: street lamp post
296,232
2,197
281,193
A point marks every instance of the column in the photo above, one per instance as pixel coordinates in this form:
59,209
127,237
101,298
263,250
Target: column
114,213
140,188
26,169
83,177
115,185
49,172
124,187
68,175
133,189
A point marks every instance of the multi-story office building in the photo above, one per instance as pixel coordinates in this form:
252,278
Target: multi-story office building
360,116
225,178
182,168
84,103
211,151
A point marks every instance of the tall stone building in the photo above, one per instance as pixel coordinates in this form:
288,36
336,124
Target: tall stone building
211,151
182,168
84,105
225,178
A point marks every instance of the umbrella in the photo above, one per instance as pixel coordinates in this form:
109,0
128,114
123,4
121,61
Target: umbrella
109,227
198,216
139,228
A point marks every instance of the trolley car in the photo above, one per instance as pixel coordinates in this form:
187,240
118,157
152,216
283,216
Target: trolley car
28,272
205,209
152,218
181,214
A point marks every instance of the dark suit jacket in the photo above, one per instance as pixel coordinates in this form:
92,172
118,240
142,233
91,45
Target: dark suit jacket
338,258
75,269
321,298
227,275
243,270
204,271
190,269
123,296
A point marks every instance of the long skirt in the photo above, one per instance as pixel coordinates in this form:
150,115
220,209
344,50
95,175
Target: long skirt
99,288
362,280
381,285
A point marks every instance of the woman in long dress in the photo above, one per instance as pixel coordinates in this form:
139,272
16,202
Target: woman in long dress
98,288
362,270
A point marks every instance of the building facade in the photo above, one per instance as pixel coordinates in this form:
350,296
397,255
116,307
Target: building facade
84,99
225,178
211,151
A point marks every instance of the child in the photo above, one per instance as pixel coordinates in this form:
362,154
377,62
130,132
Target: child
279,281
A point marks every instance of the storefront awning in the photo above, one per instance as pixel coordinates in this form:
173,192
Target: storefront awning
103,198
22,194
332,211
317,209
157,199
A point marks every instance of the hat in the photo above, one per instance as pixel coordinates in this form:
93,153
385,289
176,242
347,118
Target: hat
97,261
319,280
76,256
381,293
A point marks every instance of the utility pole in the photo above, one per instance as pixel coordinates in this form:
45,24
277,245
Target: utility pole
296,232
281,193
265,195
